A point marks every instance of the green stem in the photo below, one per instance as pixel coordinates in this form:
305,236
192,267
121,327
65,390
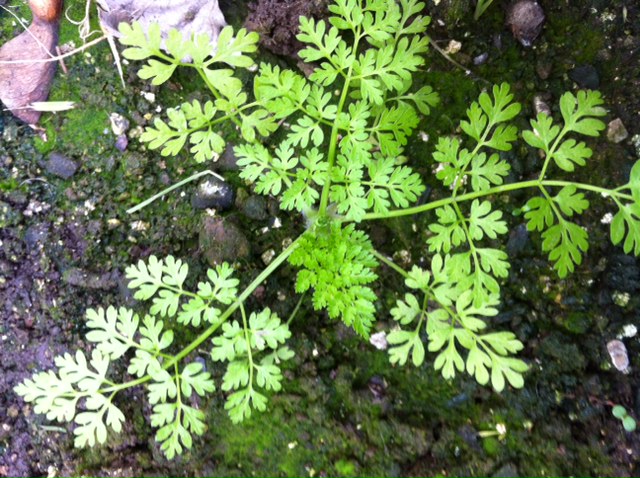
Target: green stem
549,154
382,258
248,342
295,310
333,141
534,183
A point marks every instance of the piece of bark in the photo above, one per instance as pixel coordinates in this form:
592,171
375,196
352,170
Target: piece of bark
24,83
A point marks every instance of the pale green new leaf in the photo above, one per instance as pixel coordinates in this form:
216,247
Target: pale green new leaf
578,112
484,222
448,232
570,201
193,377
405,344
538,213
626,226
240,404
565,243
406,310
487,171
113,330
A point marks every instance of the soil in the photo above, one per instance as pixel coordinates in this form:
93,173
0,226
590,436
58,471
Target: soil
344,410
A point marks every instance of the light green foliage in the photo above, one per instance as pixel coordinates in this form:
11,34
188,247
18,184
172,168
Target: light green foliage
625,225
481,6
365,138
628,422
338,160
194,122
82,391
457,233
240,347
162,280
565,240
337,262
456,323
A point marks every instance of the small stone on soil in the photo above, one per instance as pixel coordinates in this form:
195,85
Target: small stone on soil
61,166
90,280
525,18
221,240
36,235
228,160
586,76
618,353
481,59
616,132
213,193
255,207
122,142
540,104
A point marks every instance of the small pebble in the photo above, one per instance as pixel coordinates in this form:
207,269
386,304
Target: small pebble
616,132
619,356
481,59
379,340
213,193
61,166
540,104
525,18
586,76
119,124
122,142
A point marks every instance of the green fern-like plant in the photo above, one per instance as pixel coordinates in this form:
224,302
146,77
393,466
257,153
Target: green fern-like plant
338,161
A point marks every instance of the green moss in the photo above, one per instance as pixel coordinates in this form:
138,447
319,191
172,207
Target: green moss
345,468
491,446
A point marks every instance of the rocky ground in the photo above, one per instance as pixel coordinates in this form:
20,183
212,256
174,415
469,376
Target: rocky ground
66,238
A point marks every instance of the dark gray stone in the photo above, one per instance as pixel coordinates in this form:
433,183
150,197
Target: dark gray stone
525,18
586,76
506,470
228,160
61,166
213,193
36,235
255,207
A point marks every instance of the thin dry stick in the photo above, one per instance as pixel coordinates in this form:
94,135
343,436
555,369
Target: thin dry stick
59,57
26,29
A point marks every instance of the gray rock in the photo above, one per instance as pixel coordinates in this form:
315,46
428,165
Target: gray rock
619,356
228,160
635,141
586,76
481,59
221,240
525,18
540,104
36,235
506,470
122,142
255,207
213,193
616,132
61,166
